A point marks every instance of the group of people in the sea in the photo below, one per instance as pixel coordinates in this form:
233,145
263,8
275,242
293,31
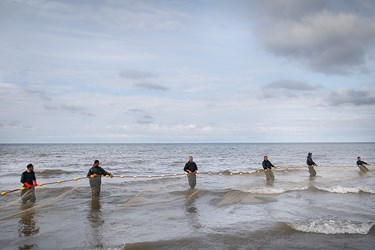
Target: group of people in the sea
28,178
268,166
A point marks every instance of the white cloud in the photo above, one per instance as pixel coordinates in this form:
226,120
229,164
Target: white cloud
99,72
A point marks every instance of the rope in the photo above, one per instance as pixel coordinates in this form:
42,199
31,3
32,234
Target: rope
42,184
225,173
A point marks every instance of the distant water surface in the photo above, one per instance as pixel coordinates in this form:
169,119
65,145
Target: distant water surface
232,207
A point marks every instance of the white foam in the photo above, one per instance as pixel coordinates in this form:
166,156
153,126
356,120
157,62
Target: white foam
274,190
344,190
333,227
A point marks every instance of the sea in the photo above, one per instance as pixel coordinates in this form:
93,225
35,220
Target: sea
148,204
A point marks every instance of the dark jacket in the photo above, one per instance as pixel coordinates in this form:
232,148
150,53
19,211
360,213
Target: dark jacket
190,165
267,164
98,171
28,177
310,162
359,163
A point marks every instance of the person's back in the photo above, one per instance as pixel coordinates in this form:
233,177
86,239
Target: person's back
361,165
310,163
95,174
360,162
267,166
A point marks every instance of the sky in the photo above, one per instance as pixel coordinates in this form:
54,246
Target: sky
187,71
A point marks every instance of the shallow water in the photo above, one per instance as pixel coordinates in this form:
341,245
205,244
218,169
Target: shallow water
232,207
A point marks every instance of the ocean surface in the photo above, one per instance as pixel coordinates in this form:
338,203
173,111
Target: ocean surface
149,205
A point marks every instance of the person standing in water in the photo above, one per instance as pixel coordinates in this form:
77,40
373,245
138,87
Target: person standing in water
95,174
191,170
361,165
267,166
311,164
28,180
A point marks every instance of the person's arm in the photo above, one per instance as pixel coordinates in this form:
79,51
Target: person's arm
89,173
34,180
22,178
105,172
195,168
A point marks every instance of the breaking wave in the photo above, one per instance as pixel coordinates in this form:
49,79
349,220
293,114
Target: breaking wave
275,190
333,227
344,190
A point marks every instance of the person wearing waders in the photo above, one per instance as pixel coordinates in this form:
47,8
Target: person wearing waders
311,164
191,170
361,165
267,166
95,174
28,180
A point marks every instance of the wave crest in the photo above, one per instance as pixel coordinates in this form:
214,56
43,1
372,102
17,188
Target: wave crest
52,172
333,227
344,190
274,190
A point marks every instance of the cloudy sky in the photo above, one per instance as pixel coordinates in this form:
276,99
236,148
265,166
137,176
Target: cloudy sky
187,71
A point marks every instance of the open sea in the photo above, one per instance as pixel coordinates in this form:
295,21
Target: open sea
149,205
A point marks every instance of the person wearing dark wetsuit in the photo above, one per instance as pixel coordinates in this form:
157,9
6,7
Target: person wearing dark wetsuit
28,180
95,174
191,170
361,165
267,166
310,163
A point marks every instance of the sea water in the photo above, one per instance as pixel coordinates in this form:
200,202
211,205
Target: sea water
149,205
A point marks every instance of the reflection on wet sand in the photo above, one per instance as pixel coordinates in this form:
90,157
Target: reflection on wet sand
96,222
27,225
191,209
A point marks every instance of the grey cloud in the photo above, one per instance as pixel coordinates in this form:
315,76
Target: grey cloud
48,107
136,75
292,85
151,86
69,108
136,110
15,125
331,37
353,97
137,15
288,88
146,119
41,95
88,114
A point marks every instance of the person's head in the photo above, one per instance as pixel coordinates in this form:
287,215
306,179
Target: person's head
30,167
358,158
309,154
96,163
190,158
265,158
